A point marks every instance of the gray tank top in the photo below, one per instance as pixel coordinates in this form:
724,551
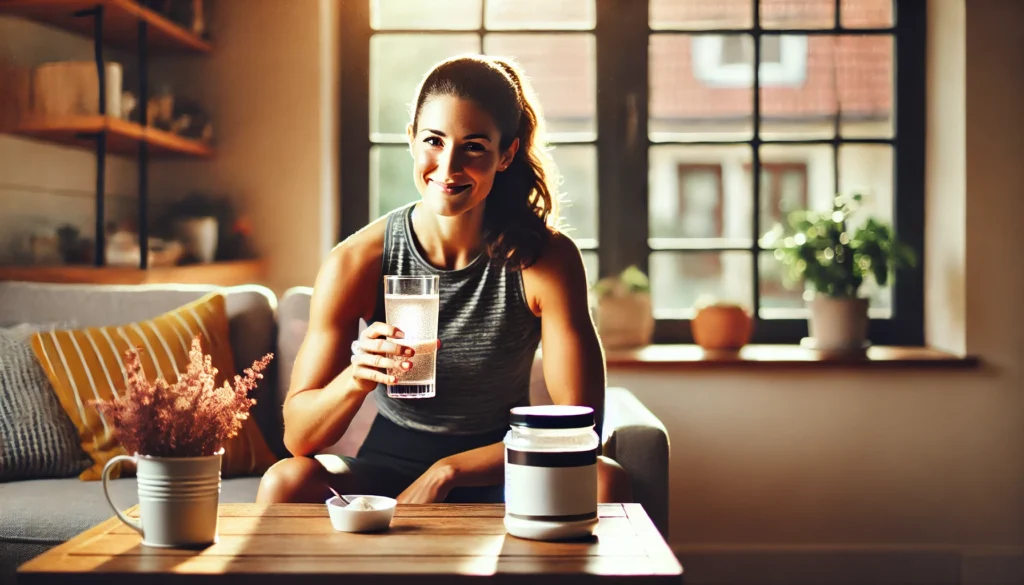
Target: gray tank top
488,334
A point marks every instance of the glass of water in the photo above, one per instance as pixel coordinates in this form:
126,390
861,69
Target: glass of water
411,305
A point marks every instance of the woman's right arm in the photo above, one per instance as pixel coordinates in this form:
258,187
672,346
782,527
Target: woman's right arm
328,386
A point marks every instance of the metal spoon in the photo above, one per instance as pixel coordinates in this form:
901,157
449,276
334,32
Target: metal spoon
347,503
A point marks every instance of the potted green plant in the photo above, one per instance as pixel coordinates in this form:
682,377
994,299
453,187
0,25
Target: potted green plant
624,316
831,259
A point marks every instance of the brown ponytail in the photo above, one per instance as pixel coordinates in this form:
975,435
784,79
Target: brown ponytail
522,207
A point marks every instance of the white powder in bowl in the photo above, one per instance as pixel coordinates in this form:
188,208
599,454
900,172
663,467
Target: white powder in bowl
360,503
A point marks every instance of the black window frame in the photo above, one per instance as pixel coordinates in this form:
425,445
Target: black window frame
622,34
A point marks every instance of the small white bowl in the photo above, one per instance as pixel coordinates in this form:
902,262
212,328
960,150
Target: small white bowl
377,519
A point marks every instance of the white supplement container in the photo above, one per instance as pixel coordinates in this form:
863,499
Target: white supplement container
551,472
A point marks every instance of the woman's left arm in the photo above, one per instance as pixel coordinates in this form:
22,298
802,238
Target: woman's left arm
574,366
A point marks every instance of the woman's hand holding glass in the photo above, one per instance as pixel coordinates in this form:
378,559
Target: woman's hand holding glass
374,354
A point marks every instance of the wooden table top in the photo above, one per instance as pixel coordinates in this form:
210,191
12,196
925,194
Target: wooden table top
295,544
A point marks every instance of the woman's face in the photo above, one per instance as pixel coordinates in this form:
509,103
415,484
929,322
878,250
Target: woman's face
456,153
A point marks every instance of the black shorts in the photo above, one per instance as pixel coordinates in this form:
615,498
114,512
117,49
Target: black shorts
392,457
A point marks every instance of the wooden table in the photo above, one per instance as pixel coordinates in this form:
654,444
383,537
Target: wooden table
295,544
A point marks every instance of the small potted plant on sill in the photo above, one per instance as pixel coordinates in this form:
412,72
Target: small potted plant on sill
175,434
721,326
624,316
832,260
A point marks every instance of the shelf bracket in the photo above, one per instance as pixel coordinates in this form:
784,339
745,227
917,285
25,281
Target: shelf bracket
99,252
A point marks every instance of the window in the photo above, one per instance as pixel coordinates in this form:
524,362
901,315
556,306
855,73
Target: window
661,113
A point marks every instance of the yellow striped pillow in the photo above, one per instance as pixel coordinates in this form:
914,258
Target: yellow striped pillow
88,364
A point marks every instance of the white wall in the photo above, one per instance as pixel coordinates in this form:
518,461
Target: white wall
894,460
42,185
270,86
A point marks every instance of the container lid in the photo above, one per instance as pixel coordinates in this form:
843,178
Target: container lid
553,416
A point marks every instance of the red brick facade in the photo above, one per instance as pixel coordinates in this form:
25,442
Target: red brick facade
848,74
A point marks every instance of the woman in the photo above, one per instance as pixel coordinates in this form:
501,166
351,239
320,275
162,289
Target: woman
508,280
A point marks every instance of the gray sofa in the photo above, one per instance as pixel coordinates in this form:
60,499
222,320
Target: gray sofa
38,514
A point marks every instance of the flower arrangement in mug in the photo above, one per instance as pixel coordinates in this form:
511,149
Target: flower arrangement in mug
191,418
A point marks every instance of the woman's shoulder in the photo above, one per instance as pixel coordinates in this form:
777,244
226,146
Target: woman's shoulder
557,272
560,253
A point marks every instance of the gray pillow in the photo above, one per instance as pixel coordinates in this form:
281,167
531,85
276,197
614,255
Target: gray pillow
37,438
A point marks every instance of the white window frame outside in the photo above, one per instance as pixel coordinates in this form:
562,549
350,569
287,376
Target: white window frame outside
791,70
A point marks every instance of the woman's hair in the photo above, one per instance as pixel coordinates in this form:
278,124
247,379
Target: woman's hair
522,206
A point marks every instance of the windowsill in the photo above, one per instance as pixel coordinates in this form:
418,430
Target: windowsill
687,356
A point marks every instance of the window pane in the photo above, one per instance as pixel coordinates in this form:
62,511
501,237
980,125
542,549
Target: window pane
867,169
866,13
417,14
798,13
540,14
563,71
578,165
701,87
391,183
698,14
783,191
678,279
794,177
818,77
398,63
780,297
700,196
865,65
590,263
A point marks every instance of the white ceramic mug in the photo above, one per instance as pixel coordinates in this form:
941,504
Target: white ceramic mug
178,498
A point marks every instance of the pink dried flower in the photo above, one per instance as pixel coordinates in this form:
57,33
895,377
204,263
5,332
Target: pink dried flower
192,418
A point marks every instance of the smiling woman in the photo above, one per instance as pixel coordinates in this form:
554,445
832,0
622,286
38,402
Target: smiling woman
486,224
475,130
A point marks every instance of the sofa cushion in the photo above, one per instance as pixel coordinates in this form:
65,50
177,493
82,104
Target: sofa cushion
53,510
37,439
250,312
87,364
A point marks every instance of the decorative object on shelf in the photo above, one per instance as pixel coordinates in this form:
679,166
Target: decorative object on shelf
624,314
71,88
123,250
177,435
831,259
191,121
721,326
44,248
232,235
74,249
189,14
199,236
128,103
160,109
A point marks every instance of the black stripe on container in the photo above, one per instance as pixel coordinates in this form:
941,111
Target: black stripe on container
552,459
563,518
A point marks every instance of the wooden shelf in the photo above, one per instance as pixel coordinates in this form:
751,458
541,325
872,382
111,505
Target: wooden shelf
123,136
217,273
120,24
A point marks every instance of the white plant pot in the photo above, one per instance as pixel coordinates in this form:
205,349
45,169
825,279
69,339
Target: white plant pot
625,321
838,324
199,237
178,499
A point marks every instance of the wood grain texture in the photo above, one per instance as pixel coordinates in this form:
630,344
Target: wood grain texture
120,25
429,544
217,273
123,137
693,357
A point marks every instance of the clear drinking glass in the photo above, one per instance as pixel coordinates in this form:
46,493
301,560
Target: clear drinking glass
411,305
